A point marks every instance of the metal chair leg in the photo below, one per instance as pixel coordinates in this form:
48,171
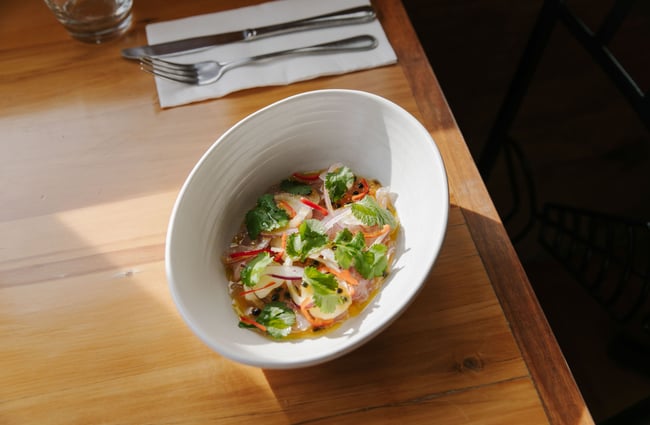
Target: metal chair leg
532,55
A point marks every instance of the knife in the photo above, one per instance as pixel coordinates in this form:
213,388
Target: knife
355,15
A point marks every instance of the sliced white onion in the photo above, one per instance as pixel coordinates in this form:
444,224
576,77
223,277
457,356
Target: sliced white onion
289,272
326,195
325,256
336,216
302,211
350,221
328,201
385,197
379,239
332,167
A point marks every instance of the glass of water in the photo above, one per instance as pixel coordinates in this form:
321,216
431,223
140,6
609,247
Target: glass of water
93,21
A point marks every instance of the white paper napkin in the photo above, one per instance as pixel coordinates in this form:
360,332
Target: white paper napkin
278,72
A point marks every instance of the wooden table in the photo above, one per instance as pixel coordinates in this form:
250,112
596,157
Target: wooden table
89,169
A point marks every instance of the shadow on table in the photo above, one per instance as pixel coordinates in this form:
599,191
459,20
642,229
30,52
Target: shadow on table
450,355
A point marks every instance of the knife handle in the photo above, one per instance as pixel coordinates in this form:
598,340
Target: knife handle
355,15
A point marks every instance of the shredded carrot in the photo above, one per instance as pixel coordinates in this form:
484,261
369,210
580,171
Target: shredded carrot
343,275
285,206
377,233
364,190
283,247
314,206
314,321
250,291
250,321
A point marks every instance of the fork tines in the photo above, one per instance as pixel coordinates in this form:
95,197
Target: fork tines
171,71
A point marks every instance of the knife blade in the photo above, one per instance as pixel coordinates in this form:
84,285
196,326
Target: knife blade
355,15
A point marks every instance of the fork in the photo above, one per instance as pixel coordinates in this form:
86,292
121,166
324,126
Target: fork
208,72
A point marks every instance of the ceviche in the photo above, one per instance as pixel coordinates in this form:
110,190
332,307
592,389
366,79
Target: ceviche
312,252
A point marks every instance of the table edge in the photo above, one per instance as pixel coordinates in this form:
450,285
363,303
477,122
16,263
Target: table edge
558,391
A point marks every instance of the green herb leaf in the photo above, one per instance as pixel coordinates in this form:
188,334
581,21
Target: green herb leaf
371,214
338,182
294,187
310,237
373,262
348,248
266,216
350,251
325,285
254,270
278,319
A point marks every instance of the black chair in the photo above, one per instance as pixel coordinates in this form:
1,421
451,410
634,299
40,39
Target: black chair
636,414
499,140
608,255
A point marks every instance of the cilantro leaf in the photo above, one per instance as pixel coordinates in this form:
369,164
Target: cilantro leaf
338,182
310,237
348,248
265,216
324,285
373,262
278,319
371,213
294,187
350,251
253,271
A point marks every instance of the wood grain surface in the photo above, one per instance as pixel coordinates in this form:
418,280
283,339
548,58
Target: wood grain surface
89,169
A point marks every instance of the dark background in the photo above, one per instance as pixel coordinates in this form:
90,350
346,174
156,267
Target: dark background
585,145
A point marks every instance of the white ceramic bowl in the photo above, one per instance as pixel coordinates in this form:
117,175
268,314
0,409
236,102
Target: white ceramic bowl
376,139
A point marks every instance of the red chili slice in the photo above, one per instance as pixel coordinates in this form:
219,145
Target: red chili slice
251,253
306,177
314,206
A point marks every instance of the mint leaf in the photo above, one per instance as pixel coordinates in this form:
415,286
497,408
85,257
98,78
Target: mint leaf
373,262
254,270
371,214
310,237
294,187
348,248
324,285
278,319
266,216
338,182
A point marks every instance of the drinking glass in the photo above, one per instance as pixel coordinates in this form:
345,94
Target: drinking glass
93,21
